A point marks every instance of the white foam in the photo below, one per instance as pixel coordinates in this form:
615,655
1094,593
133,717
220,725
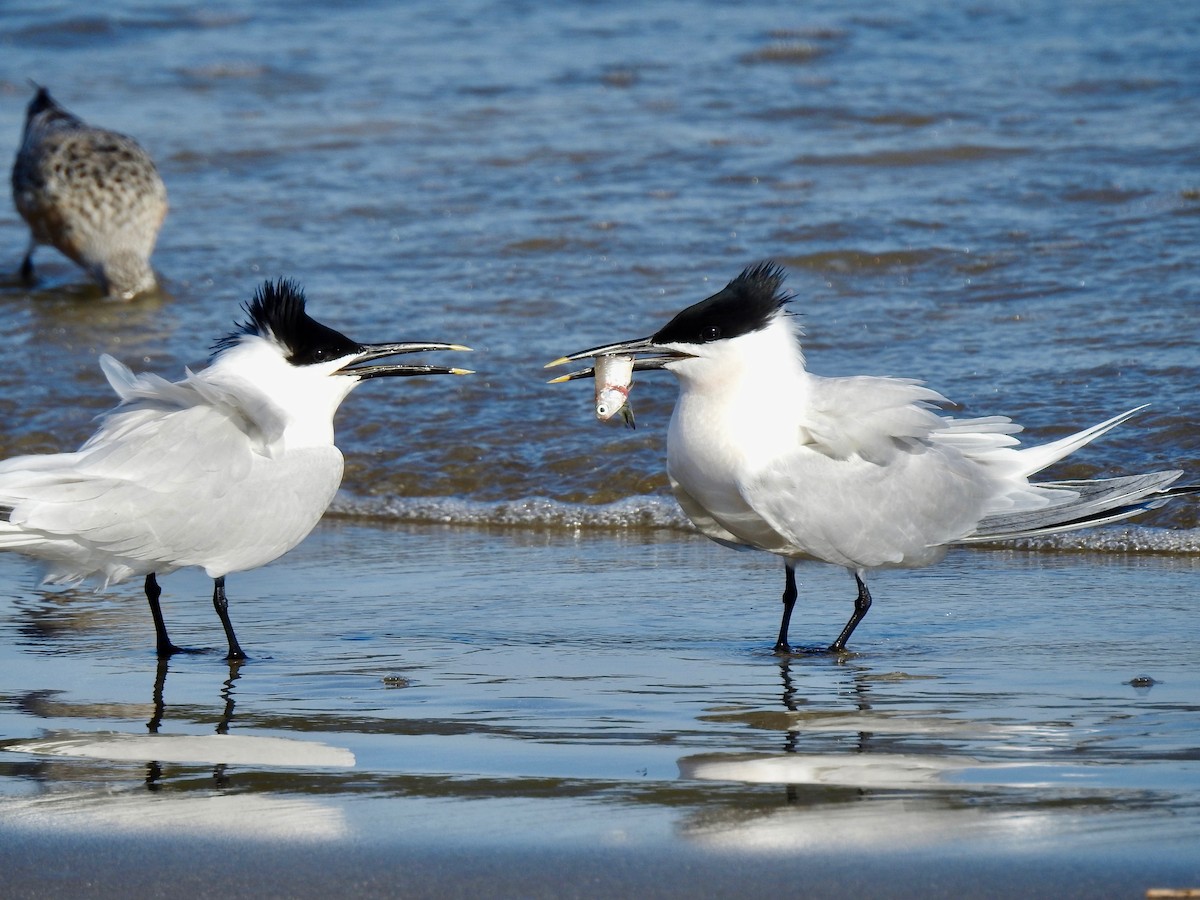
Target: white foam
530,512
1128,539
654,512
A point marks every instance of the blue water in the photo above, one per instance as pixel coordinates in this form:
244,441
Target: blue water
1000,199
508,622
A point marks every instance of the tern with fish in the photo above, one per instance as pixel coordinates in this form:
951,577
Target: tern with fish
862,472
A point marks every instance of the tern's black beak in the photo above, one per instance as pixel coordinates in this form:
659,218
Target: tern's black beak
659,357
379,351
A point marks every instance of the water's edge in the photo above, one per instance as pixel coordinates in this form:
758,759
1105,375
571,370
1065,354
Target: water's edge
650,513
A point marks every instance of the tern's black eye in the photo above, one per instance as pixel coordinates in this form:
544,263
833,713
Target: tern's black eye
309,356
710,333
321,353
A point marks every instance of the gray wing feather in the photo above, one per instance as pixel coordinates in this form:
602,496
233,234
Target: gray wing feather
868,416
1086,503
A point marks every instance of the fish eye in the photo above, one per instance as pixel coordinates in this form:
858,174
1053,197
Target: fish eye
710,333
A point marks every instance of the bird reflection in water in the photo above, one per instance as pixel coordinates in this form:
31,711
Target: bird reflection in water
154,772
792,702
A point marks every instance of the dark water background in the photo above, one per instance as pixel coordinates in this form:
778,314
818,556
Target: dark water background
1002,198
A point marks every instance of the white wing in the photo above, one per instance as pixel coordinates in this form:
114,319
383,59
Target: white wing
878,477
873,418
153,489
148,395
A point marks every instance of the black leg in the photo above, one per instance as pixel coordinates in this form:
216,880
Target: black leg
789,601
153,592
227,694
221,605
27,268
160,683
861,604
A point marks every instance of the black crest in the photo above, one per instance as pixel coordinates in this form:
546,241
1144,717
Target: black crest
277,313
745,305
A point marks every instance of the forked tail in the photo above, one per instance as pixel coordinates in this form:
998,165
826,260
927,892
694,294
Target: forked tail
1079,504
1097,502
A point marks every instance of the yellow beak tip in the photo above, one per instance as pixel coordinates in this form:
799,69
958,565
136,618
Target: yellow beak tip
556,362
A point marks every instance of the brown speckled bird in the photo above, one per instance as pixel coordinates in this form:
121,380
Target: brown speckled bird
93,194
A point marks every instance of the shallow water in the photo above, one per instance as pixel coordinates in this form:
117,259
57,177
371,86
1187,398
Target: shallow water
413,688
1000,198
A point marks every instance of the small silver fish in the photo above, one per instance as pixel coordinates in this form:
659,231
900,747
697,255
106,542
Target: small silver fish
614,380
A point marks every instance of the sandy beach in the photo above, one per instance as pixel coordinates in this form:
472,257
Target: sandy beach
121,868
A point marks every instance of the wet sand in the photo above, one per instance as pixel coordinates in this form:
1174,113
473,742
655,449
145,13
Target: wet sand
98,867
443,712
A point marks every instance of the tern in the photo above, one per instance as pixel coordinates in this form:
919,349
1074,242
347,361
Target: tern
93,194
227,469
862,472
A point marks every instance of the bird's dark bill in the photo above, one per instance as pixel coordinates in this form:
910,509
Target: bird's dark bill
379,351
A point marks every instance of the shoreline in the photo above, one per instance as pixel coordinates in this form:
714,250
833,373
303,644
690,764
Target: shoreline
650,513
